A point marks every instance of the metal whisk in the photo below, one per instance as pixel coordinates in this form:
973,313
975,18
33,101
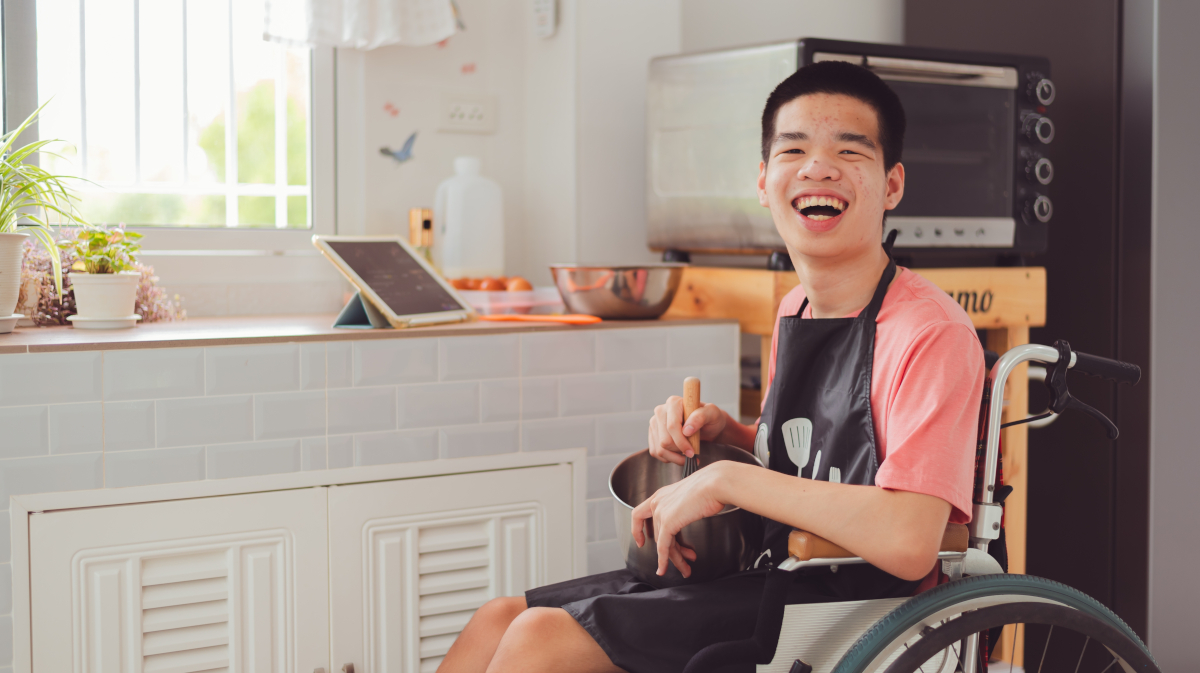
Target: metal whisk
691,402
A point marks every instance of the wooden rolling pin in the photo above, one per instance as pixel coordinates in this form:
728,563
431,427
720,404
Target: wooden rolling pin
691,402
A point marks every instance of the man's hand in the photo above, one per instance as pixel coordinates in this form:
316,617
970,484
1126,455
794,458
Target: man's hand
674,506
669,430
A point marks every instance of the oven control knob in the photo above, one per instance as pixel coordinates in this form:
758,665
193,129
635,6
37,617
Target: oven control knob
1040,208
1041,90
1039,128
1039,170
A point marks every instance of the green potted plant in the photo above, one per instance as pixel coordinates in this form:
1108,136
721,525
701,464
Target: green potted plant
103,277
31,199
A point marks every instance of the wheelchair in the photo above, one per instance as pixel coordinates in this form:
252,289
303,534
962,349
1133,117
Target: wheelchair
954,626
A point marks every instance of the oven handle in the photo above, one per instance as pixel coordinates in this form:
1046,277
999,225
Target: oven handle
937,72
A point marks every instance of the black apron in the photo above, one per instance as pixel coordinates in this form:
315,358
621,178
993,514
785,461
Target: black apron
816,423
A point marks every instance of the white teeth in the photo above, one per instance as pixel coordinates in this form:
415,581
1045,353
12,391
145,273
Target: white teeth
829,201
819,218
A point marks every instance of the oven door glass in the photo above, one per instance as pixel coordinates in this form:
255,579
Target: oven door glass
958,150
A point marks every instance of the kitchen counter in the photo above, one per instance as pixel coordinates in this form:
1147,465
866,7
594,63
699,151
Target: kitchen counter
252,397
242,330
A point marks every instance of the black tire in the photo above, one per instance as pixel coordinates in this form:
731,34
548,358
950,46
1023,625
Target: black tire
997,600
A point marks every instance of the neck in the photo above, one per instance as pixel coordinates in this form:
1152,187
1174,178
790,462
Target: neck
837,287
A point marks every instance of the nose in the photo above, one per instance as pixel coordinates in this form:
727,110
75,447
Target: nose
817,169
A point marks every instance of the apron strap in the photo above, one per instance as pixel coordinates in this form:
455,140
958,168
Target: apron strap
872,309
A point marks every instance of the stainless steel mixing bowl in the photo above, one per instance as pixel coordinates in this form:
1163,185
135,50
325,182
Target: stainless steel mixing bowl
724,544
618,292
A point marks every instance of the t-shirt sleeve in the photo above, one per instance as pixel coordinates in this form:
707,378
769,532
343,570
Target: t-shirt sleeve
933,418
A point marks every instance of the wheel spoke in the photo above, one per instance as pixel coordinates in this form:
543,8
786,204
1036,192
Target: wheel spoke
1012,656
1109,665
1080,662
1044,649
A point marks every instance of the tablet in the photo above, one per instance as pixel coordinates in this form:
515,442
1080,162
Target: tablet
397,282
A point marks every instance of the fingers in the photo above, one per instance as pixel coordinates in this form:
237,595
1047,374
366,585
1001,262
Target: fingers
637,521
664,544
662,444
674,428
708,420
679,562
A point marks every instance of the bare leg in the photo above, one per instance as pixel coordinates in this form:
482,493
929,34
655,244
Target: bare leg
475,646
549,640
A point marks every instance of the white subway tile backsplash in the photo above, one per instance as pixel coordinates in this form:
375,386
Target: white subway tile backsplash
361,410
391,361
154,466
395,447
482,357
341,451
479,440
312,366
622,433
594,394
204,420
500,400
651,389
604,556
629,349
253,458
720,385
554,353
339,364
312,453
539,398
601,520
438,404
558,433
49,474
699,346
26,432
269,368
128,425
152,373
40,378
598,471
289,415
76,428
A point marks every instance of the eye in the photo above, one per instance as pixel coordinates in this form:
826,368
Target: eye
847,152
792,151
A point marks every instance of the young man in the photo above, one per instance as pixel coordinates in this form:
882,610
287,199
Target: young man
868,428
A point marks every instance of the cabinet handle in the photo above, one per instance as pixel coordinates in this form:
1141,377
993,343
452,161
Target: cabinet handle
347,668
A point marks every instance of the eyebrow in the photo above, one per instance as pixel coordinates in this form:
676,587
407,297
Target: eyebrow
857,138
789,136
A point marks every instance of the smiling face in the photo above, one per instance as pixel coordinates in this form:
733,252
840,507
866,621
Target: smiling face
825,181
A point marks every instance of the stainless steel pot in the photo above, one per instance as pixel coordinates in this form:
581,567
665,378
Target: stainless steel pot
618,292
724,544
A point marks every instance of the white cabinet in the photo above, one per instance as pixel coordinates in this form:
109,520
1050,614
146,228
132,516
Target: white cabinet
236,582
382,575
411,560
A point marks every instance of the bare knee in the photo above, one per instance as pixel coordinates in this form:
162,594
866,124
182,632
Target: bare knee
540,622
500,611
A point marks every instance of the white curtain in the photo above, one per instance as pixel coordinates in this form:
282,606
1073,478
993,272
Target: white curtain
359,24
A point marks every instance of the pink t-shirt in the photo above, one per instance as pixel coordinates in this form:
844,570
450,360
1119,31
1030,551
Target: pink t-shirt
926,386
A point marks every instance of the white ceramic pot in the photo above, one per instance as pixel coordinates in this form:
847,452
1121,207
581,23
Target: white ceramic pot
105,296
10,271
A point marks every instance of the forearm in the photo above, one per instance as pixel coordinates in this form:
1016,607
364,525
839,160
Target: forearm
896,531
736,434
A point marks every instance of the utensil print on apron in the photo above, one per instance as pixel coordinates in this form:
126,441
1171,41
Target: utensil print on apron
817,421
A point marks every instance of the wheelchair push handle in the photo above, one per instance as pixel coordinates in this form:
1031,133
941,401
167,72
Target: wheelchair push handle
1113,370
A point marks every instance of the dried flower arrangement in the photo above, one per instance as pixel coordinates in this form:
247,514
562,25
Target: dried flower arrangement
39,302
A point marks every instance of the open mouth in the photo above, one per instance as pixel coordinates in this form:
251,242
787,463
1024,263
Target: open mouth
820,208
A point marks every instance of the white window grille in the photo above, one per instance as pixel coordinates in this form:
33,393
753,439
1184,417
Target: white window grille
180,113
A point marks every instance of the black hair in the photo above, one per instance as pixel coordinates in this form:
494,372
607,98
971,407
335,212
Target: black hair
845,79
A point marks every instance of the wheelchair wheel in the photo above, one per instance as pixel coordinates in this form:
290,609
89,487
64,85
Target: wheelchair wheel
1065,630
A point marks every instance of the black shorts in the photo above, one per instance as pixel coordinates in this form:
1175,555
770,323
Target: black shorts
648,630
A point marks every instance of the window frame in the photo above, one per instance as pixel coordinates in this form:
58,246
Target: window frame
19,23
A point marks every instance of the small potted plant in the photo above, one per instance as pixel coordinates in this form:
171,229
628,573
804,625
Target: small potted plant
30,199
103,277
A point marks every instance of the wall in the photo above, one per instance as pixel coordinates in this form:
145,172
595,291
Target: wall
1174,367
168,415
719,24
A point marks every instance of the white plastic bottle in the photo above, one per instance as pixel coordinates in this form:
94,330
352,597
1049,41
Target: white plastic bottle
468,214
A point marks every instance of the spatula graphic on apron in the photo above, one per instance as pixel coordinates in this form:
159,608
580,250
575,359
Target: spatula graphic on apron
691,402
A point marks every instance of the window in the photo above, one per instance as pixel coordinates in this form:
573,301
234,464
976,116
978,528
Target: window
179,112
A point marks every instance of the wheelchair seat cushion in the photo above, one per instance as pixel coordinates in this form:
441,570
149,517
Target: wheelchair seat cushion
648,630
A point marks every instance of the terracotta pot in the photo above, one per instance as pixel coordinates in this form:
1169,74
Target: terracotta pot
10,271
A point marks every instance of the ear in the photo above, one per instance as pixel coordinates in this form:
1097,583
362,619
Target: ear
895,187
762,185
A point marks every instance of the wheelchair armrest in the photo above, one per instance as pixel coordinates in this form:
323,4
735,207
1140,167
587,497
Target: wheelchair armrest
806,546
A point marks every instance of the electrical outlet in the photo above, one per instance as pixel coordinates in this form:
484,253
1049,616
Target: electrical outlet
468,113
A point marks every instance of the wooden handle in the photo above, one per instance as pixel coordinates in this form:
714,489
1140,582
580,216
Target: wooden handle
691,402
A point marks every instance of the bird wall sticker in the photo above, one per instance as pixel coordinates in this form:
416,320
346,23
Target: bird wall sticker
404,153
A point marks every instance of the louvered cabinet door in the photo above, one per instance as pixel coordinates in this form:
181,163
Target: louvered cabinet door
234,583
411,560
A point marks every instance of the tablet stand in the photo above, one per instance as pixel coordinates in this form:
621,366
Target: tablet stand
360,314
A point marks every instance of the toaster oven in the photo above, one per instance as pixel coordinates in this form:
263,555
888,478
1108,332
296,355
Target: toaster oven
976,151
